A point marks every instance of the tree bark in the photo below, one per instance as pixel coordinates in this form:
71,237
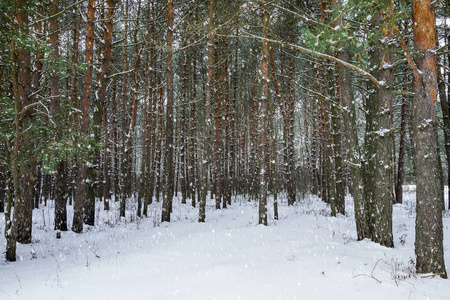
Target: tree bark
205,144
430,196
23,190
108,33
353,148
77,224
169,167
263,123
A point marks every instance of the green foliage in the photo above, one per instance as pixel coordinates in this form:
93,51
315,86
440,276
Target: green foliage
357,30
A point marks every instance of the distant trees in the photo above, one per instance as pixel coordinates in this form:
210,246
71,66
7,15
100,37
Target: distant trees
261,98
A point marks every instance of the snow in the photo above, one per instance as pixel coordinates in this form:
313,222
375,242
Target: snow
307,254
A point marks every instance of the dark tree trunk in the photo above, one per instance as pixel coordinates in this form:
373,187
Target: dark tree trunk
60,170
205,142
23,200
401,154
353,148
169,167
378,184
339,198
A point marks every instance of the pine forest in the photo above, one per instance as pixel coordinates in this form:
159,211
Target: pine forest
282,122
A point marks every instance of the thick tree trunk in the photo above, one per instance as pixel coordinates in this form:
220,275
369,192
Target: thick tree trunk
23,200
353,148
60,170
430,195
378,184
77,224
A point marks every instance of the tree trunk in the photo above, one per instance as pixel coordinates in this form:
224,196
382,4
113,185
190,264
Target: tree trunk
339,198
218,125
263,123
430,195
23,200
60,170
378,184
169,168
77,224
10,236
353,148
401,154
108,33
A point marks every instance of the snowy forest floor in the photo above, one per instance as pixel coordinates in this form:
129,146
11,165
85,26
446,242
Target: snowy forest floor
306,254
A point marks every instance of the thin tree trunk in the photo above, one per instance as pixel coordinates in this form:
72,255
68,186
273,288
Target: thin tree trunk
10,236
124,159
205,144
108,33
401,153
169,167
218,138
339,198
263,121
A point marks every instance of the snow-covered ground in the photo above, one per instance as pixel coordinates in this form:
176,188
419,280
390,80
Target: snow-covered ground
306,254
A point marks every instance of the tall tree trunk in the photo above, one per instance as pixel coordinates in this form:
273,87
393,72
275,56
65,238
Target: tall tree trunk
77,224
36,86
74,98
430,195
378,184
133,111
218,125
353,148
169,167
108,33
263,123
205,144
193,163
291,190
339,198
124,159
23,190
60,170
